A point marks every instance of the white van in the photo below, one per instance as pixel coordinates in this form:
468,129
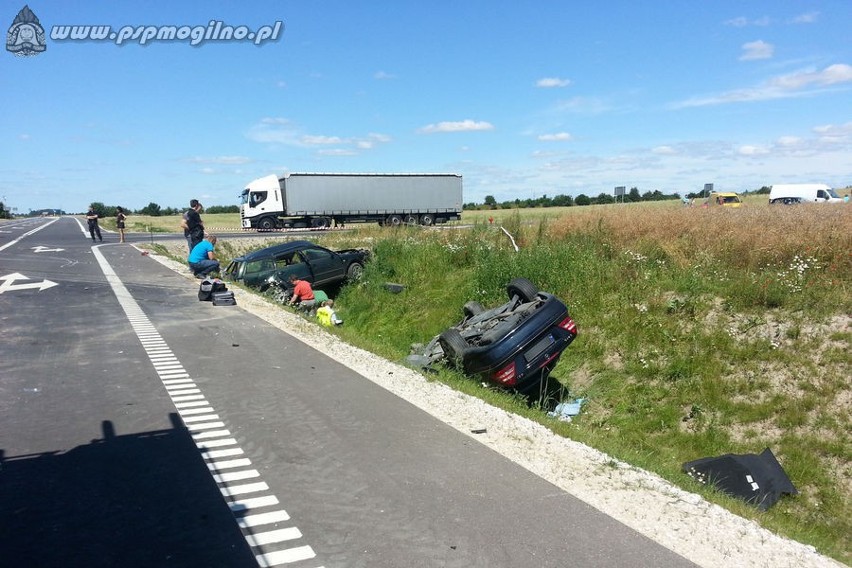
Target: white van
789,193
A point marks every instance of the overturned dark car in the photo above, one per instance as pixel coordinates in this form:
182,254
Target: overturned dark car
308,261
515,345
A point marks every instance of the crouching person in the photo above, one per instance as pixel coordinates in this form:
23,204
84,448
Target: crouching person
303,294
326,315
202,261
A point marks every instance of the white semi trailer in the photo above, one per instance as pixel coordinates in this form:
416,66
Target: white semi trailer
327,199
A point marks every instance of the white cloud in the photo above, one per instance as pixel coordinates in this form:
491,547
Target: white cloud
834,133
317,140
757,50
806,18
789,141
381,75
220,160
750,150
664,150
742,21
274,130
556,137
24,137
550,82
467,125
780,87
831,75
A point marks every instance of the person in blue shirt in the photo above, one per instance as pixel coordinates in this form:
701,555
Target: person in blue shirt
201,260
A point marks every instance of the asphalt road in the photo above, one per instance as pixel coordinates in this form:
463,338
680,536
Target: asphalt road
140,427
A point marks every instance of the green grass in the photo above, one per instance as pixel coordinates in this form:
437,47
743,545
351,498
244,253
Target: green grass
702,332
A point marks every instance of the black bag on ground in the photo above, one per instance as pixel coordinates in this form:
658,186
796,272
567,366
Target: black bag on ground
210,286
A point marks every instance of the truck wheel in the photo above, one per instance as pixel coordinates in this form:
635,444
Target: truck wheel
454,346
472,308
354,271
427,220
522,288
266,224
394,221
411,219
320,222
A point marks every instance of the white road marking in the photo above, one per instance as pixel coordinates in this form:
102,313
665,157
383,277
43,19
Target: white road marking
207,431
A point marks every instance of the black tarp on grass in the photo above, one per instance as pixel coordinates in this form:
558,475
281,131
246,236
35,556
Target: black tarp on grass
758,479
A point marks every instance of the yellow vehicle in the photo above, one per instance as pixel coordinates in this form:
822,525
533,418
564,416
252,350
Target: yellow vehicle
725,199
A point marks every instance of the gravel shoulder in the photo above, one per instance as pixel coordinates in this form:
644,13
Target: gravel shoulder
684,522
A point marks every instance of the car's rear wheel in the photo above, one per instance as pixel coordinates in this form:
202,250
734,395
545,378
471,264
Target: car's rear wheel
472,308
354,271
523,289
454,346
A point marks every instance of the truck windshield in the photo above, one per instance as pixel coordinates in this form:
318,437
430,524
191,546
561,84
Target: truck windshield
244,197
833,194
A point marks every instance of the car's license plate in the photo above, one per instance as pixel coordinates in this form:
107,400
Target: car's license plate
538,348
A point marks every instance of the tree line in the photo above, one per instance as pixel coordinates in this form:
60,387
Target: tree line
155,210
632,196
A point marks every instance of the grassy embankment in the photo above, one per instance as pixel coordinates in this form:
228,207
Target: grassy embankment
702,332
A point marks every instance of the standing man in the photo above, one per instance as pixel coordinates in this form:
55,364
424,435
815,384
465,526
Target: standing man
94,228
193,228
201,260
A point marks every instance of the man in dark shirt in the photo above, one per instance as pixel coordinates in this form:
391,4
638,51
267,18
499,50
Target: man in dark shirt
193,228
94,228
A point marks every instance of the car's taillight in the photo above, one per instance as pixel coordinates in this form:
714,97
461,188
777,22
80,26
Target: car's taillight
506,375
568,325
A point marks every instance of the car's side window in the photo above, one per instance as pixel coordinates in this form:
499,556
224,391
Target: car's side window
315,254
257,197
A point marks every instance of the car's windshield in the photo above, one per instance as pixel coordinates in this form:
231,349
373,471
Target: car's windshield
731,199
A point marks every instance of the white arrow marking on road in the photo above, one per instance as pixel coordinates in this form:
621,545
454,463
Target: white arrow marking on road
45,249
9,279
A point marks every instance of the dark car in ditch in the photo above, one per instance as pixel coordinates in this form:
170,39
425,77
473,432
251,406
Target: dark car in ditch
308,261
515,345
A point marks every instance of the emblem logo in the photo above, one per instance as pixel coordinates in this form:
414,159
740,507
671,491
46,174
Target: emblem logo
26,36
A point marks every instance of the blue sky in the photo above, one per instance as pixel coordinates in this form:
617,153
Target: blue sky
521,98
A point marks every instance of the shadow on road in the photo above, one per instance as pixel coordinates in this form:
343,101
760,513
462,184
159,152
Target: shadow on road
143,499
